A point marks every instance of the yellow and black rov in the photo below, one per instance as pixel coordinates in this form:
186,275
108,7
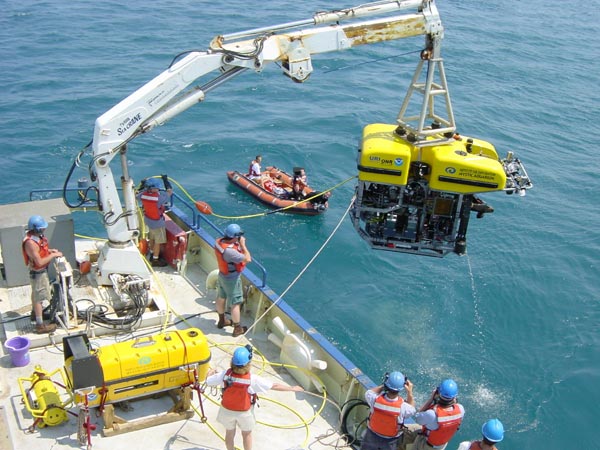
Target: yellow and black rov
416,196
171,362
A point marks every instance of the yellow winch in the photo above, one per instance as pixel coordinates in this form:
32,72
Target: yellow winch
42,399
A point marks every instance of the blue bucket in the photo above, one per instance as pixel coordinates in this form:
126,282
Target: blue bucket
18,349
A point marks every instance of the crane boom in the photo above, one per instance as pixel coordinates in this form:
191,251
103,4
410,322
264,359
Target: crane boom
387,197
291,44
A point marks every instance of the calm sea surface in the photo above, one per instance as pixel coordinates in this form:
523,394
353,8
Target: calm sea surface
515,321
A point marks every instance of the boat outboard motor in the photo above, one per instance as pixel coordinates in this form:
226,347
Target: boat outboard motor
320,198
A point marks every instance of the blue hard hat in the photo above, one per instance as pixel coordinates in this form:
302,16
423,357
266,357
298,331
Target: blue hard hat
493,430
153,183
448,389
233,230
395,381
241,356
36,223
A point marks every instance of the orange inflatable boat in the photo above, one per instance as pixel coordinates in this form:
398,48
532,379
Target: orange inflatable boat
276,190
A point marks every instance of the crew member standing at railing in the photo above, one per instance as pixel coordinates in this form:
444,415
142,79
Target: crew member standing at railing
492,432
388,412
438,419
232,256
154,202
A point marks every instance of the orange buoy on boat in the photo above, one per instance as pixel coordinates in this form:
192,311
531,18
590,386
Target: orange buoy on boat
203,207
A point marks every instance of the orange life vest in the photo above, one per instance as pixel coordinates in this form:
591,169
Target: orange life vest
448,419
384,419
235,392
42,243
150,204
226,267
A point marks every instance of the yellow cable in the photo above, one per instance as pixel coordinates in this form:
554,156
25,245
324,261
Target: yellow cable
303,422
82,236
213,429
252,216
265,362
170,310
308,199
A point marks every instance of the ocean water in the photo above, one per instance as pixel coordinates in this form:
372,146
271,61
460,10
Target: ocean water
515,321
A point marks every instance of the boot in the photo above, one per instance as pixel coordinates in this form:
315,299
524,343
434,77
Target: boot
238,330
223,322
45,328
157,262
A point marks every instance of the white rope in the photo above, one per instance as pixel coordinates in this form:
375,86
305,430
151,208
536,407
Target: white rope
305,267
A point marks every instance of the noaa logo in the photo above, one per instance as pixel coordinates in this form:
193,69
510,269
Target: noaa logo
144,360
398,161
92,397
450,170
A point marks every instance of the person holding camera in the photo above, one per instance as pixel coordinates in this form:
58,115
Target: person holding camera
388,412
240,388
492,432
232,256
439,419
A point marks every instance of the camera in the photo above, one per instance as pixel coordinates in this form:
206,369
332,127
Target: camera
249,348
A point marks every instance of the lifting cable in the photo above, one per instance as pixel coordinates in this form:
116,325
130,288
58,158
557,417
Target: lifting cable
305,268
370,61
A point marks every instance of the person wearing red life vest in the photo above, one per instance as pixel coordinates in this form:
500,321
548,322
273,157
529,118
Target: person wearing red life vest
154,202
439,419
232,256
240,388
492,432
38,255
388,412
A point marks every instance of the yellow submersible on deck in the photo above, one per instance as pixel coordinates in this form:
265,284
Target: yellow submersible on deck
135,368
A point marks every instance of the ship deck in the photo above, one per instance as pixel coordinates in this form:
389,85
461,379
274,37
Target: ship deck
286,420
